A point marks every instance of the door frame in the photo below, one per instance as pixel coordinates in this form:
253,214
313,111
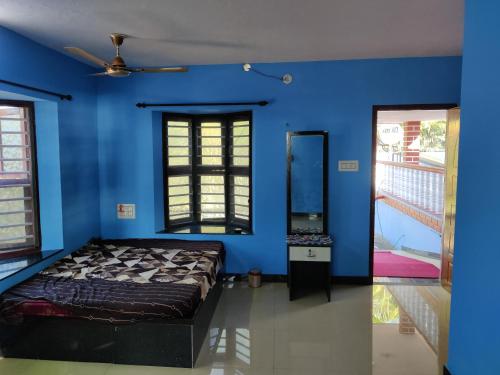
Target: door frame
375,110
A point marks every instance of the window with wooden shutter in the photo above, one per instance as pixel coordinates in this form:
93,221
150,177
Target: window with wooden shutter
207,172
239,170
19,219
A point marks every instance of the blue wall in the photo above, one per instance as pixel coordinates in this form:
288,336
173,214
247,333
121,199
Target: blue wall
402,230
66,140
334,96
49,174
475,333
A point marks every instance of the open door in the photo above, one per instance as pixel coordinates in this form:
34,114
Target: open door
450,198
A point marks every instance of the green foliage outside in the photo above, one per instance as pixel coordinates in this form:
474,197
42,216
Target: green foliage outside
385,308
432,135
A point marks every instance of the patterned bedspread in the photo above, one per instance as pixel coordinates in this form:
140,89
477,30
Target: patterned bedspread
124,280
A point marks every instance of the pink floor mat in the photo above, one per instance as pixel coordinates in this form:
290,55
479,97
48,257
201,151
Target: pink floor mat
391,265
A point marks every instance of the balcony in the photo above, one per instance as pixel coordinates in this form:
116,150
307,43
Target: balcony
409,218
419,189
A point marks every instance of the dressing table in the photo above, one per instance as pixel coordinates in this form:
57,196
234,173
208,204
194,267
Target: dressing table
309,247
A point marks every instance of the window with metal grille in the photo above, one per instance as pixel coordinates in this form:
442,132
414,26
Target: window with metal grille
207,172
19,220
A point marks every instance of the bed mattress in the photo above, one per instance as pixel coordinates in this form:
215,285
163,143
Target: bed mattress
120,281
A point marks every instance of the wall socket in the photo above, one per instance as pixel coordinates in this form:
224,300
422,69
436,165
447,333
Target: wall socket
125,211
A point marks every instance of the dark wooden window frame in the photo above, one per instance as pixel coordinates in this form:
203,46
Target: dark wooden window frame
194,171
22,250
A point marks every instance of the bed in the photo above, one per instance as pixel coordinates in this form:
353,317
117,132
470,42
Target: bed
135,301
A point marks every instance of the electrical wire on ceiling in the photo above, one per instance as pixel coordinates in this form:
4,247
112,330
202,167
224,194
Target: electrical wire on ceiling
286,79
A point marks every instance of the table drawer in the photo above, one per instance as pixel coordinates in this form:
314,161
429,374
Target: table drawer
310,253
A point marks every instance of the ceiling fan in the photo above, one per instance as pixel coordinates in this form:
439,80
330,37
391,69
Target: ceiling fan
117,67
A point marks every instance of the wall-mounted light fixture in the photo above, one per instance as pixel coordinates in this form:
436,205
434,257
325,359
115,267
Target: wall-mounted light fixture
286,79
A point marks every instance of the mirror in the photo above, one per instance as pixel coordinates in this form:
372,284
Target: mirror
307,182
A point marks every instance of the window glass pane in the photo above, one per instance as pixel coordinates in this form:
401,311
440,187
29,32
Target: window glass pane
241,190
178,180
12,205
212,142
240,206
17,216
176,131
178,124
174,190
241,161
241,180
241,151
241,212
12,125
12,139
15,166
240,142
11,112
175,161
211,197
183,199
241,128
210,146
179,199
241,200
13,152
178,143
179,210
181,151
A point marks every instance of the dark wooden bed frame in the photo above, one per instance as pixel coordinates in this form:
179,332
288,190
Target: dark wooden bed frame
172,343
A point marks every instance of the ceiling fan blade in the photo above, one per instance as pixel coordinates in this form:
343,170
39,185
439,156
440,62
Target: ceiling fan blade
86,55
99,74
175,69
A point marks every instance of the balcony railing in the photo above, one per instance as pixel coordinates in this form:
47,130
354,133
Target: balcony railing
419,186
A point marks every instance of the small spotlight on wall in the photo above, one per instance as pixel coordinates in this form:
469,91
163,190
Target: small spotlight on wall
286,79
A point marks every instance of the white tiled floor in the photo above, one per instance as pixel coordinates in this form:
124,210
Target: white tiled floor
258,331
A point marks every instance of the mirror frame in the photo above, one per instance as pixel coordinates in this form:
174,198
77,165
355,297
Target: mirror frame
289,136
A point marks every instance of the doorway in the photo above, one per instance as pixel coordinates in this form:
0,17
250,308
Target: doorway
414,178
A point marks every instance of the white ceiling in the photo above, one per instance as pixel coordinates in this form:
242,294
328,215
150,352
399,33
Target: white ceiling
191,32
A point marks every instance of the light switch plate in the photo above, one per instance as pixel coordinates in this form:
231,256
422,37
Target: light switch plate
348,165
125,211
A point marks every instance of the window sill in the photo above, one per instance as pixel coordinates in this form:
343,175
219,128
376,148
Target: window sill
12,266
207,229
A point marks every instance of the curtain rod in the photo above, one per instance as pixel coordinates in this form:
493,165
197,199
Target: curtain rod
60,96
262,103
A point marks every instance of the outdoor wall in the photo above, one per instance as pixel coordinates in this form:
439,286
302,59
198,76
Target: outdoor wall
402,230
474,334
333,96
66,141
